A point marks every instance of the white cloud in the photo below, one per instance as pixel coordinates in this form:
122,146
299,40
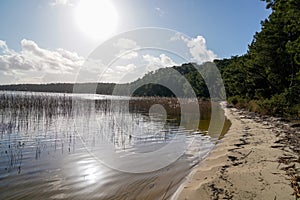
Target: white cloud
177,36
158,62
33,60
3,44
127,68
118,73
129,55
93,65
160,11
127,48
3,47
197,48
61,2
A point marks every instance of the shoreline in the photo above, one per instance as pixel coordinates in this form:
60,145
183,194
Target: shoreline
250,162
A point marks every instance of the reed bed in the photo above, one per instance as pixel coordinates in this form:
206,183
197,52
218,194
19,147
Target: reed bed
26,120
172,105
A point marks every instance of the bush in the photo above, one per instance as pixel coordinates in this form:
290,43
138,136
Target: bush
277,105
295,111
253,106
234,100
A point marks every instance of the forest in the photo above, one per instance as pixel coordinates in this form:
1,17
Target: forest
266,79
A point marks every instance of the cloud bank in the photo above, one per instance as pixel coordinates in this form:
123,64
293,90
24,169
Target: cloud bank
197,48
127,48
161,61
34,64
35,61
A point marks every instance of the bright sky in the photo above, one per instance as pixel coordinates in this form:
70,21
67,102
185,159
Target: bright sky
49,40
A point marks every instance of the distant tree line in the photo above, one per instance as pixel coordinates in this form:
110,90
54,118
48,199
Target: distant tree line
176,81
99,88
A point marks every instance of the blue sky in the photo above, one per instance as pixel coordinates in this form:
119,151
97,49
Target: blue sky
51,26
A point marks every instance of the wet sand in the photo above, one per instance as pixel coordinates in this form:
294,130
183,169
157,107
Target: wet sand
248,163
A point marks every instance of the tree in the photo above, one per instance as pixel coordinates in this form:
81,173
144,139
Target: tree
274,52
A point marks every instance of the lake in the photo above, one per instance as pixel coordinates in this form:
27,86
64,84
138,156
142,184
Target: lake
84,146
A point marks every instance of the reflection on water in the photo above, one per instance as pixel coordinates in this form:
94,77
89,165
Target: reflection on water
46,141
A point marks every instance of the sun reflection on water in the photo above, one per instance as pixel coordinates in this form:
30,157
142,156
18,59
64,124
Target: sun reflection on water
89,172
91,175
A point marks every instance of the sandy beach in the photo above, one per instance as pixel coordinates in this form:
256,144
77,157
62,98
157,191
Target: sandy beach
253,161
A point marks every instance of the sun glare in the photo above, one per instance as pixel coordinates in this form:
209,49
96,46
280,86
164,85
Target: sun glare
96,18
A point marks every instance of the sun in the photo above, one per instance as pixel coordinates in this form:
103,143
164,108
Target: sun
96,18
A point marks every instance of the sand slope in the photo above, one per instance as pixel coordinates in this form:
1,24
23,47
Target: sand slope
244,164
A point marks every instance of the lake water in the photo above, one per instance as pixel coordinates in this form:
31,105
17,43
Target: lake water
58,146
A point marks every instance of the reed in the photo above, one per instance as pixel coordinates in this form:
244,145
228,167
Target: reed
50,122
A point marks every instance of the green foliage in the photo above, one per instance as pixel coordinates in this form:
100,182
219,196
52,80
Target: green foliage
276,105
153,90
275,50
234,99
269,74
179,81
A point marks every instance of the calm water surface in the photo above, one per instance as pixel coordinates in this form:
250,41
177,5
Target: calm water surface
47,143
